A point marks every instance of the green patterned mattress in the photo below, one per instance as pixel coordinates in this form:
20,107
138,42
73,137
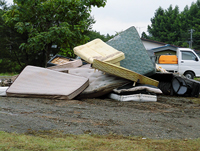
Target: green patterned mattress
136,56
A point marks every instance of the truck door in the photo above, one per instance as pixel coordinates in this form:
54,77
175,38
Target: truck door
189,62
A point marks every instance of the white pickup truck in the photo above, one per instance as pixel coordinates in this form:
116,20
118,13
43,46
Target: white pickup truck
188,63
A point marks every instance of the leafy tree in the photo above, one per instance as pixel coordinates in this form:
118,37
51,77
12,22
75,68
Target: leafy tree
62,23
165,25
9,56
94,34
173,27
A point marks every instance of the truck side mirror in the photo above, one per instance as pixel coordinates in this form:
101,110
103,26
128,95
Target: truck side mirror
196,59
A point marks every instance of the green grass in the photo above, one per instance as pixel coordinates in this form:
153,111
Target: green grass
52,140
198,79
8,74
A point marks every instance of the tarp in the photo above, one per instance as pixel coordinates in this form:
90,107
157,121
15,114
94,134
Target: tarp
45,83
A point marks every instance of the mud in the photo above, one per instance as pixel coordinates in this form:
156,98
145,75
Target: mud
169,117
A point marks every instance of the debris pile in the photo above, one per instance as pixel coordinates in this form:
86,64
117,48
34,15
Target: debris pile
121,69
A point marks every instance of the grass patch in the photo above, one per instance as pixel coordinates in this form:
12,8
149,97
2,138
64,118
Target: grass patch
53,140
195,100
8,74
197,79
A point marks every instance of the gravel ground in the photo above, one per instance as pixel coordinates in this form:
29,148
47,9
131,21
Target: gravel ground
169,117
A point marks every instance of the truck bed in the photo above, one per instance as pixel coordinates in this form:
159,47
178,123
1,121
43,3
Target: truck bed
169,67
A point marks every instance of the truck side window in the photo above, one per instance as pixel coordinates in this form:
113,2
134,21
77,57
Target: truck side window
188,56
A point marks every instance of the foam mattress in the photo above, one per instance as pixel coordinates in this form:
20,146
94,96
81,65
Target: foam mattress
137,58
97,49
44,83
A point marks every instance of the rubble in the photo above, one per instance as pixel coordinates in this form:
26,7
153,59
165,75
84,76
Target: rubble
122,60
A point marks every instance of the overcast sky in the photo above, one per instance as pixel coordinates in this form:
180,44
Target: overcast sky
118,15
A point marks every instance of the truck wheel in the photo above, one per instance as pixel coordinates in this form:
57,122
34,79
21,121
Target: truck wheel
189,75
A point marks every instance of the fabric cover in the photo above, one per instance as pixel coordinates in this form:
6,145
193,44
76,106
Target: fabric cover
3,91
45,83
123,72
134,97
97,49
65,67
130,89
137,58
99,83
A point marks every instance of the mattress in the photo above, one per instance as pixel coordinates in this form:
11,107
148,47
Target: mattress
139,88
3,91
134,97
44,83
58,60
99,83
137,58
66,66
97,49
123,73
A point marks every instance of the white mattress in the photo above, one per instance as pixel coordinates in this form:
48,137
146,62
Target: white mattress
3,91
134,97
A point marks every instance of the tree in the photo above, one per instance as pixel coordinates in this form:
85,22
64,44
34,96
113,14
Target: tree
62,23
10,39
94,34
173,27
165,25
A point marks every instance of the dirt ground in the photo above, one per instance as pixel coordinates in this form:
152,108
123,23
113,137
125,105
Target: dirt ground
169,117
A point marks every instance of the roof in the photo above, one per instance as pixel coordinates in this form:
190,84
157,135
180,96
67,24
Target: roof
153,41
157,42
165,47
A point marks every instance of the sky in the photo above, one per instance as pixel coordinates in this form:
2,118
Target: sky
119,15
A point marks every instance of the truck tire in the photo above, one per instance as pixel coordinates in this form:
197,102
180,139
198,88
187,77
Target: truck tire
189,75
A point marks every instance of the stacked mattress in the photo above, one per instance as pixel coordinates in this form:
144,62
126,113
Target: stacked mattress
137,58
140,92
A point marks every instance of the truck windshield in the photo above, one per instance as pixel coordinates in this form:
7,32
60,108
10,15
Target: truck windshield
188,56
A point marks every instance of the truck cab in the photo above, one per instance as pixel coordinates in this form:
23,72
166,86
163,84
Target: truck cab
188,63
